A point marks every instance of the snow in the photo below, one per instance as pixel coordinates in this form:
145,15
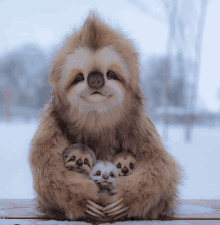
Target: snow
199,160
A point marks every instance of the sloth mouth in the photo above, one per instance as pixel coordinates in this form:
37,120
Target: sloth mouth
104,183
96,92
96,97
79,169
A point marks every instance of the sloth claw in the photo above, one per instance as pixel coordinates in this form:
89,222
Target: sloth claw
120,216
95,205
112,205
115,209
91,213
95,209
118,212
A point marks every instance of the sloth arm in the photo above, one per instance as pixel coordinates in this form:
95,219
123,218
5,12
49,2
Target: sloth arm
146,193
56,187
151,189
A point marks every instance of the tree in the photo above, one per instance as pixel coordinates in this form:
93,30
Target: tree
185,20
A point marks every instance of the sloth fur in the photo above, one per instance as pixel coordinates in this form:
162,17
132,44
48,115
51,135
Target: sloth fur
108,122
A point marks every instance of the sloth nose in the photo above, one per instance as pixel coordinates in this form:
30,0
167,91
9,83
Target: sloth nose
105,176
79,162
95,80
125,170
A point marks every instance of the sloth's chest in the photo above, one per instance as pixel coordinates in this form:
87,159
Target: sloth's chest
105,144
104,147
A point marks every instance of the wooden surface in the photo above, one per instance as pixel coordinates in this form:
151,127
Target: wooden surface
189,212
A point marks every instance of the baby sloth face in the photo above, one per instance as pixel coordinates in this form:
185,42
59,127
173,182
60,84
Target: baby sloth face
79,158
104,174
125,163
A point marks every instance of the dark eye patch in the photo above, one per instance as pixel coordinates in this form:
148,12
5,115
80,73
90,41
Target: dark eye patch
79,78
72,159
86,162
112,174
98,173
131,166
111,75
119,166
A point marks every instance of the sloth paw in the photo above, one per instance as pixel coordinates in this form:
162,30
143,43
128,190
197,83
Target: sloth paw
94,209
117,209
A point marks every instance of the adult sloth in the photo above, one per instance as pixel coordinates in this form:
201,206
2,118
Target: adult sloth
97,101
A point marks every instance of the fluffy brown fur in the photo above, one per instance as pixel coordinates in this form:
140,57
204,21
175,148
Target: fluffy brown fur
118,123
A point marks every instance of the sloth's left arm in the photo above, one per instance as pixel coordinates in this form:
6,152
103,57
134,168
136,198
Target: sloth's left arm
150,191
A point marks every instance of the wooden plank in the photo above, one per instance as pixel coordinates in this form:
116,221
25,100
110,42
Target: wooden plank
38,222
187,210
199,209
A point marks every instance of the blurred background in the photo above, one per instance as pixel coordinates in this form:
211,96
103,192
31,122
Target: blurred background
179,46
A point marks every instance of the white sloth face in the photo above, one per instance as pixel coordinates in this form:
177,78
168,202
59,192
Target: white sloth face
94,80
104,174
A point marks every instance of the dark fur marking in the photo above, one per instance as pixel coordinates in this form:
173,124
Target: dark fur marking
63,125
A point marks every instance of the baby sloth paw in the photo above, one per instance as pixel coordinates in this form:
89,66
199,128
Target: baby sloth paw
117,209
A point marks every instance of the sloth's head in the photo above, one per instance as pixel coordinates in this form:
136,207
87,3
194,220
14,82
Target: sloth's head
79,158
96,72
125,163
104,174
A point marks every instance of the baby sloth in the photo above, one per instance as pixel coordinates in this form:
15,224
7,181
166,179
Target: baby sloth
104,174
79,158
125,163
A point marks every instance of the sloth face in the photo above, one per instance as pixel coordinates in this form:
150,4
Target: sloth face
77,160
125,164
104,174
94,80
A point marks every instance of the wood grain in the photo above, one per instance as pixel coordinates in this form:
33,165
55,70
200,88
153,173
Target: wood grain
23,211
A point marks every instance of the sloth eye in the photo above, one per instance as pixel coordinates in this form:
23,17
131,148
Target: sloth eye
112,174
72,159
111,75
131,166
78,78
86,161
98,173
119,166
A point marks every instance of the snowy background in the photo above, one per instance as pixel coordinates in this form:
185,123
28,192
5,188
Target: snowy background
199,159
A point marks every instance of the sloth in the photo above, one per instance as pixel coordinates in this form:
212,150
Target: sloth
97,101
81,159
125,163
104,174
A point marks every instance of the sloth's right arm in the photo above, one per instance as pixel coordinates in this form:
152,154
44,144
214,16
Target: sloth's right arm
56,187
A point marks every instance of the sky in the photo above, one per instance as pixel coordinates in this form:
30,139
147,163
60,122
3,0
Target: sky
47,22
